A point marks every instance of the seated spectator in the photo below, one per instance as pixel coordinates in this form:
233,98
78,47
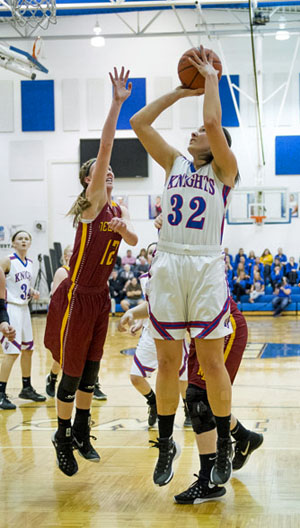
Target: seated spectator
238,256
276,276
282,297
281,256
267,259
226,251
142,253
244,262
250,260
142,267
257,288
116,287
229,272
129,259
241,285
125,275
291,271
276,262
240,268
134,294
257,266
118,263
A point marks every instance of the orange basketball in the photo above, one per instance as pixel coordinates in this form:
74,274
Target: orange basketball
189,75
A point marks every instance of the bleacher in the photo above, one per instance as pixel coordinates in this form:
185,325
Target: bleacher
264,302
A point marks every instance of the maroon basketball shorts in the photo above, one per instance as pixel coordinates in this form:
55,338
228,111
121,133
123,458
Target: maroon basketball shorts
76,326
234,346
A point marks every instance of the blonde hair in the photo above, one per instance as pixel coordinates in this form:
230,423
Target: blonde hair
81,203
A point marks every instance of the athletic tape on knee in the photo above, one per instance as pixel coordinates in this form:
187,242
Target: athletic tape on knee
89,376
67,388
200,412
3,312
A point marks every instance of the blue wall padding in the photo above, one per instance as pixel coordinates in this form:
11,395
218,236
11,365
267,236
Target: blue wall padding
37,103
287,155
134,103
229,117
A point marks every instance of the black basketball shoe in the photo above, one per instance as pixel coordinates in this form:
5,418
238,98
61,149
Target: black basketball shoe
50,386
152,415
98,394
200,491
82,442
29,393
243,449
168,452
5,403
221,472
64,453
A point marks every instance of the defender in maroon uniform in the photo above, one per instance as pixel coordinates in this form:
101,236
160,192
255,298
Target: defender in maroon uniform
78,313
203,421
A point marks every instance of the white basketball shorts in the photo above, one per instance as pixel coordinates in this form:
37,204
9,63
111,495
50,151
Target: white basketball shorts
19,317
145,357
188,292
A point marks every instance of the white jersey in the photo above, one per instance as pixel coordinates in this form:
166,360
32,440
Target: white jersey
18,280
194,205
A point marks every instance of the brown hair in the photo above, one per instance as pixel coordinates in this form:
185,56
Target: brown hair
81,203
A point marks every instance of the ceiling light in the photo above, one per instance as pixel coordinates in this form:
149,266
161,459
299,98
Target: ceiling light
97,41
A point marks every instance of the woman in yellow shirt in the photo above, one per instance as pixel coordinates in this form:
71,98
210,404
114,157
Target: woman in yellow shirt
267,260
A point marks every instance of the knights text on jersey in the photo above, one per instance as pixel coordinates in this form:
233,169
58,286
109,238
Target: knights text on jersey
18,280
194,205
95,249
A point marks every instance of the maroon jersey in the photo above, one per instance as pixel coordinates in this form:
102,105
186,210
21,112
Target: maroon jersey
95,249
79,309
234,346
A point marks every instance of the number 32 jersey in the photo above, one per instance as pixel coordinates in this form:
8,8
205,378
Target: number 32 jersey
194,206
18,280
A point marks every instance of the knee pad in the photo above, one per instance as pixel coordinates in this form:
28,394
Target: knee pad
89,376
67,388
201,414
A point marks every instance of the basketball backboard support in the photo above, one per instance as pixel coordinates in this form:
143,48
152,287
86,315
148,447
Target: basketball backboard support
20,61
269,202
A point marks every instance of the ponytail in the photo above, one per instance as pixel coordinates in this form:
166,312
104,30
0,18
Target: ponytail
81,203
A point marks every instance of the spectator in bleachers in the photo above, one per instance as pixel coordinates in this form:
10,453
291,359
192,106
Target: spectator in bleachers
282,297
241,285
129,258
134,294
142,267
226,251
257,288
257,266
250,260
142,253
276,276
239,269
116,287
281,256
125,275
291,271
229,272
238,256
118,263
267,259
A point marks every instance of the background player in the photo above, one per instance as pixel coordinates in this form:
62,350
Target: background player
78,314
145,358
60,275
194,204
18,270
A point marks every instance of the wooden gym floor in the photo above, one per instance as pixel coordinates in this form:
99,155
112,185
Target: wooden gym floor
118,492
